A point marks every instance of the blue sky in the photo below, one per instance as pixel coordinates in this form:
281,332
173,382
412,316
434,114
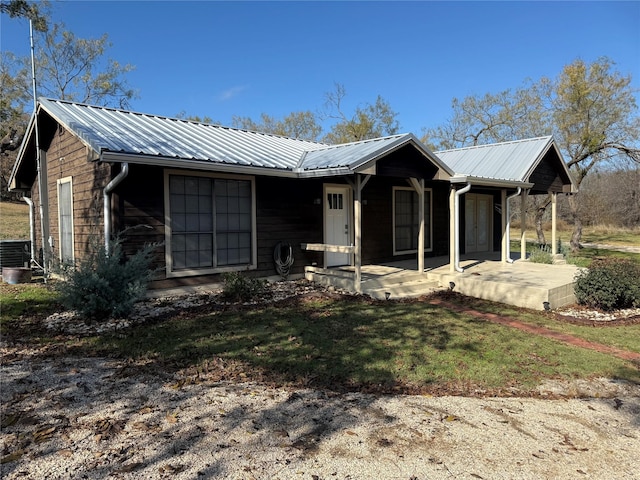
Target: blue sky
221,59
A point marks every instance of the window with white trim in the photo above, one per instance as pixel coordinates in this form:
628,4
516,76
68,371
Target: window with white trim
210,223
65,220
406,225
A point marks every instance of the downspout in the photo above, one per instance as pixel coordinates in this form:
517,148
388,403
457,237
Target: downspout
456,220
124,171
32,229
507,233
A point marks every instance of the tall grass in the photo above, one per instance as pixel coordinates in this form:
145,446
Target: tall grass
14,221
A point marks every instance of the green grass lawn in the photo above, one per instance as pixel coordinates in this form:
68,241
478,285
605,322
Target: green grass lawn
14,221
355,343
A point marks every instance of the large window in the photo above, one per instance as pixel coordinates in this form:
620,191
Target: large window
406,225
210,224
65,219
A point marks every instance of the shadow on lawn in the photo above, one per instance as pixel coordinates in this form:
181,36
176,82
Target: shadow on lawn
341,344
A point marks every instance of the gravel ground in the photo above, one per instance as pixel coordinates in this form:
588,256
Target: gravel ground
81,418
94,418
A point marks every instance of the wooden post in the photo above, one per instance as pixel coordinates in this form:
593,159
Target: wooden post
357,214
523,225
503,223
418,186
452,230
554,215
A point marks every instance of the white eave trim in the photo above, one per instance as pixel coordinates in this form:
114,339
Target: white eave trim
209,166
489,182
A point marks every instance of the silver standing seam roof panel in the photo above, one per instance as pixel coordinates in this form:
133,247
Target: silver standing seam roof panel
148,138
496,161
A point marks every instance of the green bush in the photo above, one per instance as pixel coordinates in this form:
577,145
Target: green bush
540,255
609,284
239,288
106,286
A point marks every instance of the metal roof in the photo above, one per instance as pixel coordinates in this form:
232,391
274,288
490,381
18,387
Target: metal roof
119,135
119,131
511,161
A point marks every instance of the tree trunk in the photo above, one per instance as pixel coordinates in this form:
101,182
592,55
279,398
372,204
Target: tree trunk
577,223
538,221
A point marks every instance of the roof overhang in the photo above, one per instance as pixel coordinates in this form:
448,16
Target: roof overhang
489,182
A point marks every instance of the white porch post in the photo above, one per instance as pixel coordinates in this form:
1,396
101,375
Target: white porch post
357,228
418,185
452,230
554,218
504,225
357,214
523,224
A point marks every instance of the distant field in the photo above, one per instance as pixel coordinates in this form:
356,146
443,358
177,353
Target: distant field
14,221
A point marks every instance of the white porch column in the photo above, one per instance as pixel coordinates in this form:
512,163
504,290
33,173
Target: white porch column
523,224
452,230
418,185
504,224
357,214
554,218
357,228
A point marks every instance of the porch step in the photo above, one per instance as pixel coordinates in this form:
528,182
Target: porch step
559,259
404,289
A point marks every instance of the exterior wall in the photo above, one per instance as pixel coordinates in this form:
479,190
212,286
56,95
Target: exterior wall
66,156
285,211
377,219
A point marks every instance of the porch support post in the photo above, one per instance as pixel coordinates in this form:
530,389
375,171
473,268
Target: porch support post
504,225
523,224
554,218
452,230
357,229
418,185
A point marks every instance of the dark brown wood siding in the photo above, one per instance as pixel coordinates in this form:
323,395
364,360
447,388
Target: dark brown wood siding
66,156
548,175
377,219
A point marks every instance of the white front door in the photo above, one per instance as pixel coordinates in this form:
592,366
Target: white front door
477,216
337,223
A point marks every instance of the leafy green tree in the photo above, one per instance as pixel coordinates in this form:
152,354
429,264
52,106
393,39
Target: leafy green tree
24,9
589,108
72,68
368,121
596,121
67,68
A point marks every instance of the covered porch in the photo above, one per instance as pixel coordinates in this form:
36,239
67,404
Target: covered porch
521,283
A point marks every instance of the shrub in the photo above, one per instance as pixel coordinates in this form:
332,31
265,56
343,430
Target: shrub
609,284
540,255
239,288
105,285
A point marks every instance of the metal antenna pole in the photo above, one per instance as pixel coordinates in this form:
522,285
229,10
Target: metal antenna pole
41,181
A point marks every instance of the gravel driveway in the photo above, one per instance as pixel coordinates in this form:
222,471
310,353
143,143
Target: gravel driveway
87,418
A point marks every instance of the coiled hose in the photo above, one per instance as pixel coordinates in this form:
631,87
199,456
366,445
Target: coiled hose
283,264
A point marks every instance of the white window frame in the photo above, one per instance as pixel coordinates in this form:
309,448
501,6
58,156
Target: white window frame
59,183
427,191
167,226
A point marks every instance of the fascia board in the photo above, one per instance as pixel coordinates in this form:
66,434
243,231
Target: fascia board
115,157
489,182
19,158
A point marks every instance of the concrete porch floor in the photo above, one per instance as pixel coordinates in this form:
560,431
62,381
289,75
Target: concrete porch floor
522,283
